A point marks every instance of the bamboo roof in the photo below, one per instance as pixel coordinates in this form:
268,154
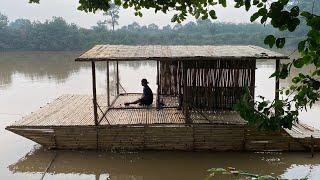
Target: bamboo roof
181,52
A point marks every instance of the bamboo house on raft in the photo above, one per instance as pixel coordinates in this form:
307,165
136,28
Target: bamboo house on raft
197,87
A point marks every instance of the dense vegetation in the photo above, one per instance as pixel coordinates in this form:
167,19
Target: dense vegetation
57,34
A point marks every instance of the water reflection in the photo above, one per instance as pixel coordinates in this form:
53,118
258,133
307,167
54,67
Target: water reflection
55,66
163,165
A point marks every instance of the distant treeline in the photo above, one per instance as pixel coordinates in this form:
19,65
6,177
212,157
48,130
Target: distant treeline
56,34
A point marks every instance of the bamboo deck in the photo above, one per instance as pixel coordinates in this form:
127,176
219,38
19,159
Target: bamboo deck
76,110
68,123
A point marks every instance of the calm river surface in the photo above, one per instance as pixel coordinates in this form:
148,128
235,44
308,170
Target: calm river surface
29,80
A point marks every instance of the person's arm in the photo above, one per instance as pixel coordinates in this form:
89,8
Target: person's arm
138,100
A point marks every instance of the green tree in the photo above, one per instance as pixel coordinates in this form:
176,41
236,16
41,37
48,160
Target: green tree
113,13
3,21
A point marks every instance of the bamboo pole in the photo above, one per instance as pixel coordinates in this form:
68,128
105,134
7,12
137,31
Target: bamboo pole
185,96
94,93
277,80
253,78
312,145
117,71
158,86
108,84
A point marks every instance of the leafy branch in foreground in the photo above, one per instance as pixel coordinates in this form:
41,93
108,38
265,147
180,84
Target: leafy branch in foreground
246,175
304,91
284,15
266,115
234,172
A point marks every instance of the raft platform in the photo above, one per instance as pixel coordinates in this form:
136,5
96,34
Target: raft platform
68,123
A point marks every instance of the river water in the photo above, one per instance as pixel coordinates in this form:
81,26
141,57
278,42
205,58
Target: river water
29,80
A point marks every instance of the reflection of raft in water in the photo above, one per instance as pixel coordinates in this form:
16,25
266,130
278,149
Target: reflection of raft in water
209,79
154,164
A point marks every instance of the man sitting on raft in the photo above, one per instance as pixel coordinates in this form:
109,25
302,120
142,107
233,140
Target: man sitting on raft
147,96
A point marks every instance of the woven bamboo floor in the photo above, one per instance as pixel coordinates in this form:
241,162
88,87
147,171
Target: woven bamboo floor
67,110
77,110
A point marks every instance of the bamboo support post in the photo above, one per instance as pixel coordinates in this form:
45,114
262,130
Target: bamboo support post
277,80
312,145
158,86
253,78
117,77
94,93
108,84
185,95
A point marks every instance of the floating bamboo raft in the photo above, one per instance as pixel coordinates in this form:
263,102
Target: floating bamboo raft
68,123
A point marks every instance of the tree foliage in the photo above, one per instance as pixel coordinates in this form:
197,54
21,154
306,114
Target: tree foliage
3,21
113,13
304,91
57,34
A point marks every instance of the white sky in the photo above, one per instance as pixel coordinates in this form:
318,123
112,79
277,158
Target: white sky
67,9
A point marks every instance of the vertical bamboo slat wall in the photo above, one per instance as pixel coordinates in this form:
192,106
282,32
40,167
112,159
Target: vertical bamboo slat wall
212,85
218,137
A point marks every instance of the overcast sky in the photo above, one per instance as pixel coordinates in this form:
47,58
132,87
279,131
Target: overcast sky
67,9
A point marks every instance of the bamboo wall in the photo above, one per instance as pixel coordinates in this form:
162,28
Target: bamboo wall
217,137
211,85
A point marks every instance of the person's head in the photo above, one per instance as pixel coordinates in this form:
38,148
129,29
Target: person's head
144,82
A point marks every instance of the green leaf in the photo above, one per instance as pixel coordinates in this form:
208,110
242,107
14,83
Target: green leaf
223,3
307,59
298,63
174,18
306,14
287,92
125,5
212,14
315,85
117,2
263,12
301,45
34,1
284,71
254,16
263,19
270,40
275,74
316,61
255,2
314,34
262,105
315,22
296,80
280,42
260,5
316,72
247,4
292,24
294,11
